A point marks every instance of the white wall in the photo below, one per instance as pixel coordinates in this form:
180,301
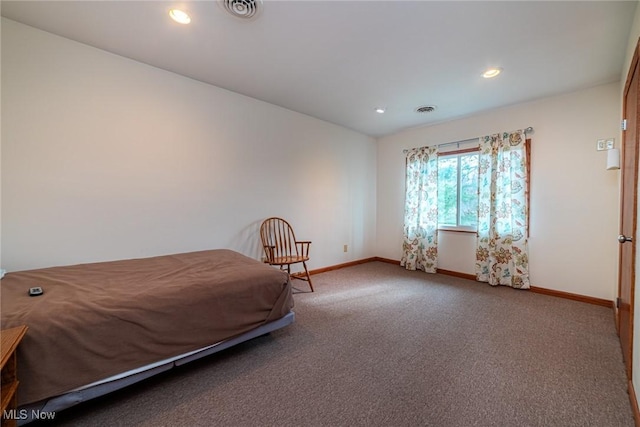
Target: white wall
106,158
574,199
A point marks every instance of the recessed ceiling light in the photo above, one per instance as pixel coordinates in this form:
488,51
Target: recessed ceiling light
380,110
491,72
179,16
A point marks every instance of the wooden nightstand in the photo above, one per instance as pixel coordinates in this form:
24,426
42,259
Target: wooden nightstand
10,338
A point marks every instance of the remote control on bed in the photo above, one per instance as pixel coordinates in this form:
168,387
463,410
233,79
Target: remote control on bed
34,292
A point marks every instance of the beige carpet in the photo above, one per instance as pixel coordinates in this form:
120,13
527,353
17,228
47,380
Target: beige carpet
376,345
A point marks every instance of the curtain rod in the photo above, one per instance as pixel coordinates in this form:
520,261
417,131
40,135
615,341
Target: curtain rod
527,130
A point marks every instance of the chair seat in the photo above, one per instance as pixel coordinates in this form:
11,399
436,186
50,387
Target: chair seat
284,260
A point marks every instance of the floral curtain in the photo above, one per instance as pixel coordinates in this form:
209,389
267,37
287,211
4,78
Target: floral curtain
502,256
419,249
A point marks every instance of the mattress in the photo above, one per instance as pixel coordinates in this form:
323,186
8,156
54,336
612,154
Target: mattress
98,320
30,412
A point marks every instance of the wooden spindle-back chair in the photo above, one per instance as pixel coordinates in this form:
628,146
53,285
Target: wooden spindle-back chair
282,249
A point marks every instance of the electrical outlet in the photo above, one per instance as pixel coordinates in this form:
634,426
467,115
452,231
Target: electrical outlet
346,248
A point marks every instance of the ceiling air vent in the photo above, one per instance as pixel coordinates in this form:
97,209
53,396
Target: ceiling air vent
425,109
243,9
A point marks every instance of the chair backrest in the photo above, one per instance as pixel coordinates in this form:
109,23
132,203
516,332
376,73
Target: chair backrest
278,239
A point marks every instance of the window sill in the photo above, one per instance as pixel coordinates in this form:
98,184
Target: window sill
458,230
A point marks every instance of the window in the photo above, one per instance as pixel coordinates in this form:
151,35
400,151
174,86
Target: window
458,190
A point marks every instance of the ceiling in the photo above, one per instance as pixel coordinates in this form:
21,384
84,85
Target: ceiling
339,60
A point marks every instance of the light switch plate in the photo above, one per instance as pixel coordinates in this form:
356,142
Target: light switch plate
605,144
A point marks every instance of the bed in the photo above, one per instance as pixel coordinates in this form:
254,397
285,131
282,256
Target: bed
102,326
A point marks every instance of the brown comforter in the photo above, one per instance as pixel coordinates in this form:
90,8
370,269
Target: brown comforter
97,320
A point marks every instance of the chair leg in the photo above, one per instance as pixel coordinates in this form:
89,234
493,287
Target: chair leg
308,276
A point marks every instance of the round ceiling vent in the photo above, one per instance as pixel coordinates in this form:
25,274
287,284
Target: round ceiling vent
243,9
425,109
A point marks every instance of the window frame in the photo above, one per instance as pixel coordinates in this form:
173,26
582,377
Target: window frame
458,228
